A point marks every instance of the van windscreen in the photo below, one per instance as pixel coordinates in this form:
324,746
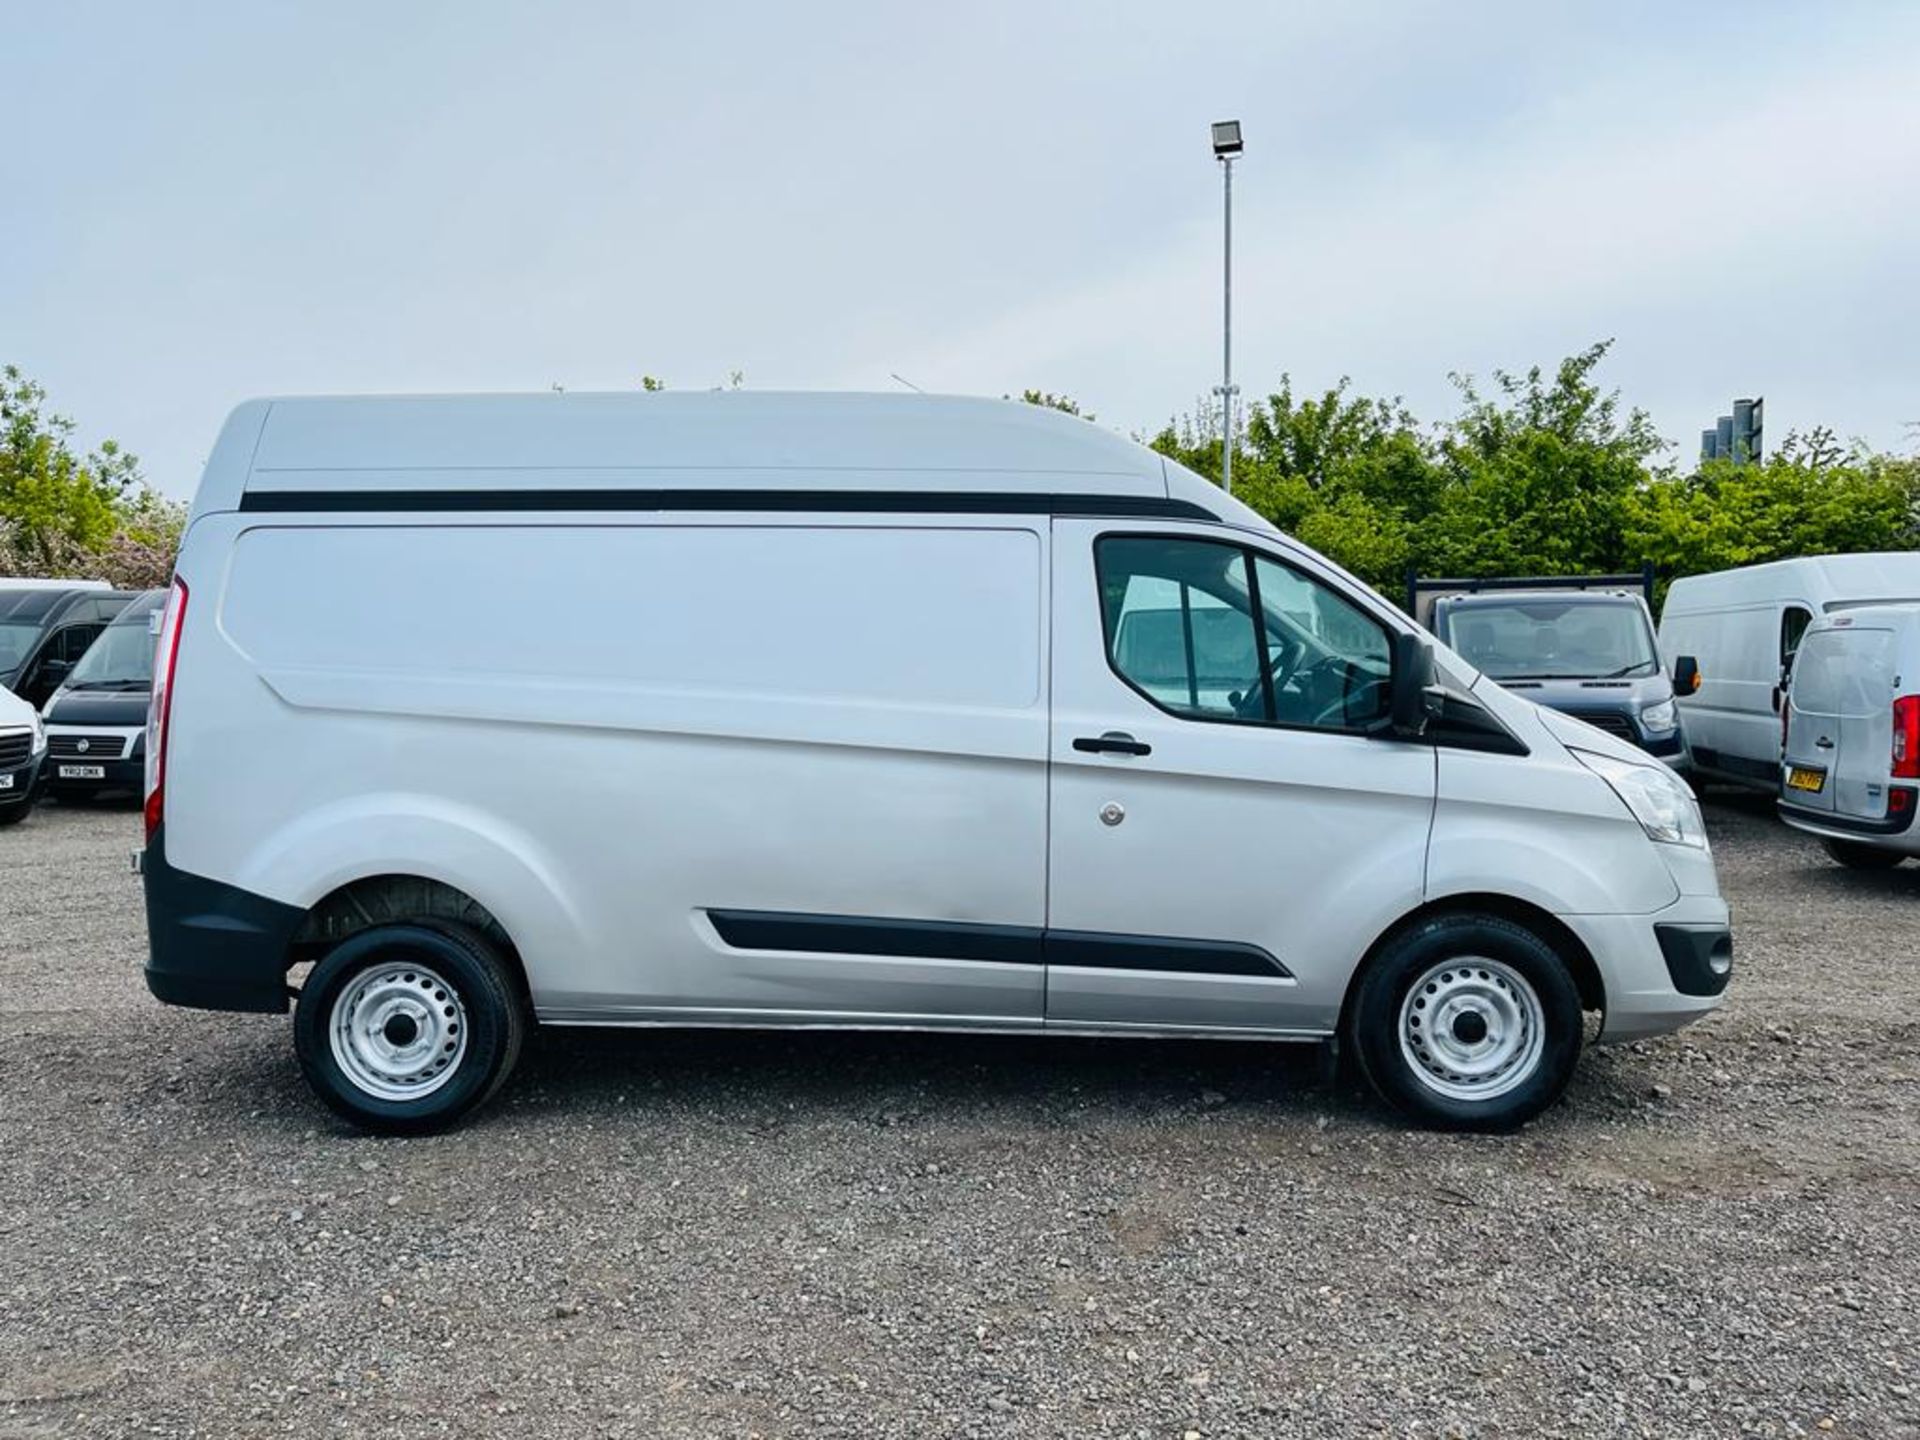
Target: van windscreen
121,659
16,641
1554,639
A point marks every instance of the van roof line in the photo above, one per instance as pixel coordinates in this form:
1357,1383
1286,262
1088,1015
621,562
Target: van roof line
879,453
692,439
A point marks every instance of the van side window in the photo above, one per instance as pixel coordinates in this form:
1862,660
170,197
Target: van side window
1197,632
1793,624
1331,660
1179,626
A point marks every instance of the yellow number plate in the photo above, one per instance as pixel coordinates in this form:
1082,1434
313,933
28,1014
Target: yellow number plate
1799,779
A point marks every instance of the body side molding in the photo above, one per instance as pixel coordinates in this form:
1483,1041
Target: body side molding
993,944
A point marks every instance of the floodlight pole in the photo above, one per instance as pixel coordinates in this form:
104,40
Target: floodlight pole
1225,389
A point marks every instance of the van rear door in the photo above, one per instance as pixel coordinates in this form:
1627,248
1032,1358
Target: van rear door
1863,764
1839,724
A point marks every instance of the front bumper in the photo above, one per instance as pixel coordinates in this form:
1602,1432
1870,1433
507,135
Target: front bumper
117,752
115,775
1658,970
214,946
1671,747
19,785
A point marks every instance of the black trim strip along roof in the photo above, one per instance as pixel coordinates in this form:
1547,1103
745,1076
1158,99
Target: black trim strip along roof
842,502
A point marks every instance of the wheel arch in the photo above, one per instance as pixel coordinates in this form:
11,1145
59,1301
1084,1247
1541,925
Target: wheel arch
1551,930
391,899
377,854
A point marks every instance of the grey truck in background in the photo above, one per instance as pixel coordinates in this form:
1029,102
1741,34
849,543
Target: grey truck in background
1583,645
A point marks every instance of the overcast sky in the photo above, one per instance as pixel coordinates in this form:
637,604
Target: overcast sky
204,202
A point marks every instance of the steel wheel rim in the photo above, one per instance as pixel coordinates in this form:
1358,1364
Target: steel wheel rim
399,1031
1472,1028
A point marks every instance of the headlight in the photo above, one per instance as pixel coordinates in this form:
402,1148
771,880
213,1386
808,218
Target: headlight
1659,799
39,735
1660,717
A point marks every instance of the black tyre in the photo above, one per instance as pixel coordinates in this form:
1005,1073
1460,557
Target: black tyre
14,814
1467,1022
1863,857
403,1029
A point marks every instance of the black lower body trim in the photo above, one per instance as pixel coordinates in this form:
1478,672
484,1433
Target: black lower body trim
994,944
214,946
1699,957
1761,772
1849,824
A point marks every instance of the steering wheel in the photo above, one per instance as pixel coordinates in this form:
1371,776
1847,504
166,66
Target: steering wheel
1292,652
1249,702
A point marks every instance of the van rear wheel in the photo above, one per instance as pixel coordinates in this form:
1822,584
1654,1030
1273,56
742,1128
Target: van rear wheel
1467,1022
403,1029
1863,857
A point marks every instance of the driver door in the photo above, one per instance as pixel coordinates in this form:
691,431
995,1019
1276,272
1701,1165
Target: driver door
1224,841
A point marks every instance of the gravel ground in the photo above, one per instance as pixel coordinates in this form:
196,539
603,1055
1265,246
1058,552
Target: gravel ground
716,1235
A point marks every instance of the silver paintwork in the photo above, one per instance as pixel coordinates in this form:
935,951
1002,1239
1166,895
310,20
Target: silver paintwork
598,780
399,1031
1472,1029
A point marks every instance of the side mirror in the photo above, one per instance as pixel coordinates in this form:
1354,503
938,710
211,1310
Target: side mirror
1686,675
1414,698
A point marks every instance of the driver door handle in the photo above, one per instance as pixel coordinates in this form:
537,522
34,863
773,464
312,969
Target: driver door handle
1114,742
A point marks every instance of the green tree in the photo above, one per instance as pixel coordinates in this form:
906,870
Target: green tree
63,513
1351,476
1809,498
1539,475
54,501
1047,400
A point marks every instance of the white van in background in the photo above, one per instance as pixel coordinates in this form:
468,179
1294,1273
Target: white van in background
1851,773
1740,629
23,746
890,712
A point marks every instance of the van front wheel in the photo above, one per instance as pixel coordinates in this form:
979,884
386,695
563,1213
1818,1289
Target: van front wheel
1467,1022
403,1029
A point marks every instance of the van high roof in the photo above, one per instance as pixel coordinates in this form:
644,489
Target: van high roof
1823,581
279,454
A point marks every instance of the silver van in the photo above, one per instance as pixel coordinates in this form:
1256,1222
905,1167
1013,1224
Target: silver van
1851,735
883,712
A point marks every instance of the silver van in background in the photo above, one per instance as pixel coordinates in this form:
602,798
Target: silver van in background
1850,735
